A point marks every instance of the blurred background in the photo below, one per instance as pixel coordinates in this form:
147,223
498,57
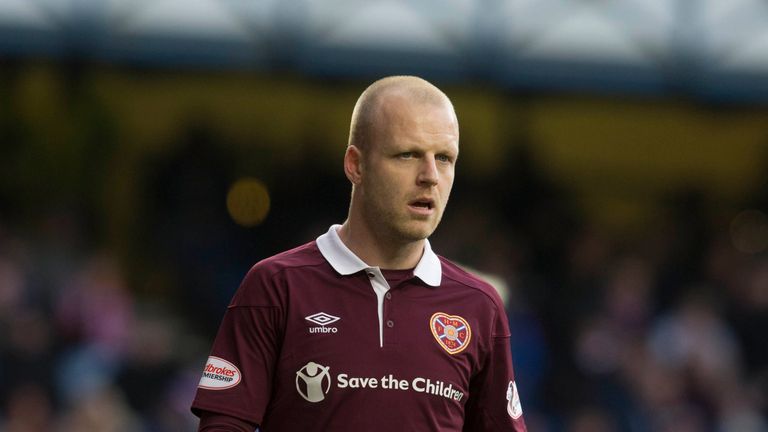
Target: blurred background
613,182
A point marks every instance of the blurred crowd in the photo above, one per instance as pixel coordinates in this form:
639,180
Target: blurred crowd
79,351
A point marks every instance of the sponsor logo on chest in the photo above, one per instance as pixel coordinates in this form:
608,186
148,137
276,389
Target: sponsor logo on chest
314,382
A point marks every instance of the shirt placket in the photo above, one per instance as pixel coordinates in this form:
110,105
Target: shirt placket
381,288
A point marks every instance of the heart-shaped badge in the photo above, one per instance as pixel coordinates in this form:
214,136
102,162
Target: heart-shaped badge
452,332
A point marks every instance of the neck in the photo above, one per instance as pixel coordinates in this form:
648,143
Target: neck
379,250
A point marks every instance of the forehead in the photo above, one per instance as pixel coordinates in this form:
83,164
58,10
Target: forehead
402,121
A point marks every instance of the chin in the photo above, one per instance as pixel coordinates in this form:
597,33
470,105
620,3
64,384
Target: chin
416,233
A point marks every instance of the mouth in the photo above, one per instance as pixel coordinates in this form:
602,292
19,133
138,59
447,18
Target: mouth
422,206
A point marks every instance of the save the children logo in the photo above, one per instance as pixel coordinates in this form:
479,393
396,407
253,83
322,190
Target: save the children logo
219,374
452,332
313,382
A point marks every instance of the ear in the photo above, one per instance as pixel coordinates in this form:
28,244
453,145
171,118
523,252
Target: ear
353,164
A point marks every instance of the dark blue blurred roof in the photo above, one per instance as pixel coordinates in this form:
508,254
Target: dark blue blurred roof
705,49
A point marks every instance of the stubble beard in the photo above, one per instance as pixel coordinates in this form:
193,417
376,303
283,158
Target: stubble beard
398,227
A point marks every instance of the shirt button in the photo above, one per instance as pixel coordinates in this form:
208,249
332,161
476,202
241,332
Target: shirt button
390,323
388,296
371,275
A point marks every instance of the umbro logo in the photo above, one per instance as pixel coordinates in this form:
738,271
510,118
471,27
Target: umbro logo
322,319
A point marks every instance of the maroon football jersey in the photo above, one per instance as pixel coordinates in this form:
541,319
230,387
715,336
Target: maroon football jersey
317,340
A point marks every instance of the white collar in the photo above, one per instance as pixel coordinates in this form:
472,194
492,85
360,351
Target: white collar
345,262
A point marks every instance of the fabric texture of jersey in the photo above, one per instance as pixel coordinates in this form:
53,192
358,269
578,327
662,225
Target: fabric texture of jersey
317,340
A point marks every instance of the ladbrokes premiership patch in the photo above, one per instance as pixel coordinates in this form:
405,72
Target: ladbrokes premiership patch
452,332
219,374
514,408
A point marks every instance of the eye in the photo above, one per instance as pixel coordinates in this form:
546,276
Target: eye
406,155
443,158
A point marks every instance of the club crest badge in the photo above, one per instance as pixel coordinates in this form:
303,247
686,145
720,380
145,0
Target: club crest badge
452,332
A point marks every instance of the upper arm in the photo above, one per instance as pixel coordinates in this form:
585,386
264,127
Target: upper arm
237,378
494,404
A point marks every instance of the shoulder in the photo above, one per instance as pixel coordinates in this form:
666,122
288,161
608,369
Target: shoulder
486,300
460,278
306,255
479,295
261,286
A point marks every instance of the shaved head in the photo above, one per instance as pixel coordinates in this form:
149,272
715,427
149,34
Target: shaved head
372,105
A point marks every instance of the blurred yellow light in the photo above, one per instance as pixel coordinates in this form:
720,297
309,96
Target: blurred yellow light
749,231
248,201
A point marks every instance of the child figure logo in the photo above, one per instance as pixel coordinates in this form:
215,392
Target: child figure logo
313,382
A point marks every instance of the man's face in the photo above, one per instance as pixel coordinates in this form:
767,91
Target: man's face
408,169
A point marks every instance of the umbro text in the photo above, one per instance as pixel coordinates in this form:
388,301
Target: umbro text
323,330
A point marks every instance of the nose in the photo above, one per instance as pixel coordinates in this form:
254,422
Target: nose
428,172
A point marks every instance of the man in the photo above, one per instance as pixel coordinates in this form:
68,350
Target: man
366,329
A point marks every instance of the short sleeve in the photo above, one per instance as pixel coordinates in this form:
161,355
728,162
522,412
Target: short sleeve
237,377
210,422
494,403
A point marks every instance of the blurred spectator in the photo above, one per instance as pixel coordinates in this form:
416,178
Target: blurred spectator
695,342
102,410
158,377
29,409
95,308
591,420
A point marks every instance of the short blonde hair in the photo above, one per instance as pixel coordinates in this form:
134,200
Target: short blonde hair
363,124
